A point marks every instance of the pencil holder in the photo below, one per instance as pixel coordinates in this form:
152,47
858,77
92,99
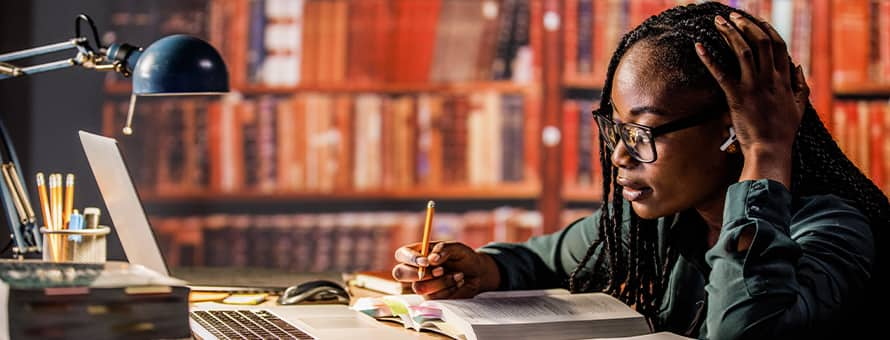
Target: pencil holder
85,245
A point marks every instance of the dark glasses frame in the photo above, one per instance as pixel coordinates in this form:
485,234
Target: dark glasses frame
601,118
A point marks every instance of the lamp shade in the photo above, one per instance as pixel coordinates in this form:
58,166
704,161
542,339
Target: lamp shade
180,64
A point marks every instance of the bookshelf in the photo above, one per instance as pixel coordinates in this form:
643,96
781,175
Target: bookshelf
344,104
450,90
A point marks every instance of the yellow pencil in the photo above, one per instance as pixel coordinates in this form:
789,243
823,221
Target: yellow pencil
44,200
69,199
425,244
55,199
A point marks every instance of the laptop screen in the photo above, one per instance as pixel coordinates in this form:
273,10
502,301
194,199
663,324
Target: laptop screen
122,201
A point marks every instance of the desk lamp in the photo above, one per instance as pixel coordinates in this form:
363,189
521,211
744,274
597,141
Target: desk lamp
173,65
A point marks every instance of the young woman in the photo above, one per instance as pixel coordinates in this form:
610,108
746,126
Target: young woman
730,212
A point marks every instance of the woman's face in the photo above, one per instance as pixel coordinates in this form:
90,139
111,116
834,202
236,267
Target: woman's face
690,170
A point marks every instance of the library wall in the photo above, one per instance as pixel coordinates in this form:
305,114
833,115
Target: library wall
390,103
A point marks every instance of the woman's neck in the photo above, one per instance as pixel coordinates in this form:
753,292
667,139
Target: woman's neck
712,213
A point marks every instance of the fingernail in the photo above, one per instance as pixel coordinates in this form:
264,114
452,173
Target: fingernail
734,16
421,261
433,257
720,20
458,277
438,271
459,283
700,48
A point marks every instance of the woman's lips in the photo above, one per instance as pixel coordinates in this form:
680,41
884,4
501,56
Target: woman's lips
632,190
634,195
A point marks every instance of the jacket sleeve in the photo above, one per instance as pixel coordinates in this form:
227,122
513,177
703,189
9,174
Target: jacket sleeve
798,269
544,261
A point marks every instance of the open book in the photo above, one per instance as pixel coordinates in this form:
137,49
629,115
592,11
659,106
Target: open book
550,314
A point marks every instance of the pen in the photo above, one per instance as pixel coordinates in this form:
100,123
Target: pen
425,244
69,198
75,222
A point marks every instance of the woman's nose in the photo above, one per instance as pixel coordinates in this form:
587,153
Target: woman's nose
621,157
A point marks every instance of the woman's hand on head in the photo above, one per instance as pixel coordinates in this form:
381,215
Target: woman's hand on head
766,107
453,270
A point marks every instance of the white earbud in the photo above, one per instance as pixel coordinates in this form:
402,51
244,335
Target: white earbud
729,140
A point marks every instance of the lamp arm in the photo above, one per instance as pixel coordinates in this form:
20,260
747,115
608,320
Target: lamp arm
41,50
85,57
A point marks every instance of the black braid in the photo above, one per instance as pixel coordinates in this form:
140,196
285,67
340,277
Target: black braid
819,166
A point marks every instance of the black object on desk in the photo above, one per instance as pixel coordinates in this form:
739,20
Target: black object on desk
91,301
316,291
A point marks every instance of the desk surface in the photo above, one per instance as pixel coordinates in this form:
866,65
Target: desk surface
235,276
263,277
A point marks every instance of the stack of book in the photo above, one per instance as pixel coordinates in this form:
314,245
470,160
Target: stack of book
90,301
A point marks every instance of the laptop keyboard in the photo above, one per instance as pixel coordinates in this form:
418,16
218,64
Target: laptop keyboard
247,324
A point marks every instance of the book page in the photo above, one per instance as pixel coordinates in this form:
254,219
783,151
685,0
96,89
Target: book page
653,336
497,294
536,309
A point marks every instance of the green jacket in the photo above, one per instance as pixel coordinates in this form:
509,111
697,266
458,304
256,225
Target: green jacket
806,272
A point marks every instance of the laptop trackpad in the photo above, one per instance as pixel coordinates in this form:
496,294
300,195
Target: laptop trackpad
336,322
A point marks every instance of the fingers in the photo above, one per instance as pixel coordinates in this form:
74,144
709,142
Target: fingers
801,92
780,49
754,35
741,48
442,287
408,273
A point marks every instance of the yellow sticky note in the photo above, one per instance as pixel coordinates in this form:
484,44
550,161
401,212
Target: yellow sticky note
207,296
246,299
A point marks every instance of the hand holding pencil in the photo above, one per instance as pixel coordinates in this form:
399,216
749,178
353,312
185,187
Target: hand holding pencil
445,270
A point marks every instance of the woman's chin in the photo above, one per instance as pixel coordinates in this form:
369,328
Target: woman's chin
647,210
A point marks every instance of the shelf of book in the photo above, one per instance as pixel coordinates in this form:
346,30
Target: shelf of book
381,65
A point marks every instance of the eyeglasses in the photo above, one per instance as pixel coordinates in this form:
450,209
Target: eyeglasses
640,139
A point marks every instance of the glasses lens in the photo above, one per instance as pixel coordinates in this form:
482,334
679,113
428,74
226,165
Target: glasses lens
607,130
639,143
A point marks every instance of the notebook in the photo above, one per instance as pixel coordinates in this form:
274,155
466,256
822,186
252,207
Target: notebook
213,320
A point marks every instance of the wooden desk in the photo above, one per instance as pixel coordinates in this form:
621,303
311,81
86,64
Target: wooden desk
277,278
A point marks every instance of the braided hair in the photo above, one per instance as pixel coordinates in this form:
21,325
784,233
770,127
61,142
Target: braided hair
637,273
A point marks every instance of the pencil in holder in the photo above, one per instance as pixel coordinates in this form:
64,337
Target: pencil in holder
84,245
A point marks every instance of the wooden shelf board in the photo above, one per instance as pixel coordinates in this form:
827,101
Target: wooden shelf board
494,192
499,86
871,89
584,84
576,194
119,87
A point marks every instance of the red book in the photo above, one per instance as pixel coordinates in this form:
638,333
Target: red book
641,10
570,120
884,40
850,34
344,125
877,135
570,41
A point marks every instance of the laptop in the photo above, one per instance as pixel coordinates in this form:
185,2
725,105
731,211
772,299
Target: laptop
214,320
